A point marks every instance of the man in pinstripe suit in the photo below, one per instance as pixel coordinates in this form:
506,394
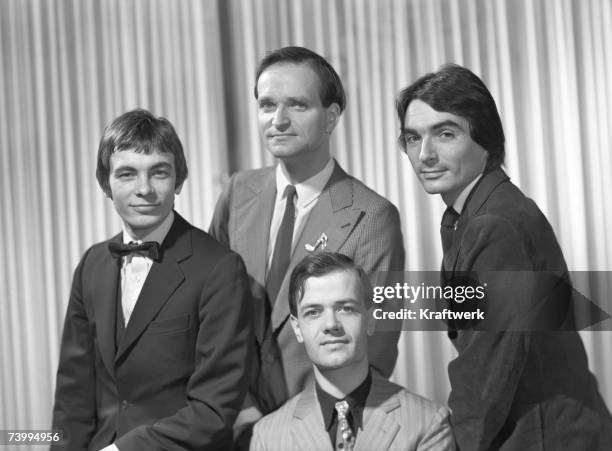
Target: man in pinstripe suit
300,99
350,406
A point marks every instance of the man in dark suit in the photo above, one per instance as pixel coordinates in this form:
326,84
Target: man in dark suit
349,406
512,386
155,348
273,217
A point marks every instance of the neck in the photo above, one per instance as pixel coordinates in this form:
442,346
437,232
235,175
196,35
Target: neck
297,170
341,381
449,200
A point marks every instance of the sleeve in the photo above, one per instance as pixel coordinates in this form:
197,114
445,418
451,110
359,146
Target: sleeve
439,435
485,375
381,250
219,224
75,402
216,389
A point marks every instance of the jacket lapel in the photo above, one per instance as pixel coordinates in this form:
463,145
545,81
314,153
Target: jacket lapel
308,431
479,195
379,426
333,215
104,289
254,215
163,279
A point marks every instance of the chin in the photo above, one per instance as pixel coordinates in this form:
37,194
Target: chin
147,225
333,363
323,367
431,188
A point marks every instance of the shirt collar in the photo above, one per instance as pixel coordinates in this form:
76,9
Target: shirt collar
462,198
158,235
310,189
356,401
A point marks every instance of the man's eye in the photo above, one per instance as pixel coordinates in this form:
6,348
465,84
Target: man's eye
347,309
161,173
124,175
311,314
411,139
447,134
300,106
267,106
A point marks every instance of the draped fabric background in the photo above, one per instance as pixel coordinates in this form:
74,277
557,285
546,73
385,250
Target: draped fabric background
71,66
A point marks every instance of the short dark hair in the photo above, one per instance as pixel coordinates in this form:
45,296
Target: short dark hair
140,131
457,90
317,264
331,89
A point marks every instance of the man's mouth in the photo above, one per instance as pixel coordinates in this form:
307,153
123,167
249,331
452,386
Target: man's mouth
334,342
432,173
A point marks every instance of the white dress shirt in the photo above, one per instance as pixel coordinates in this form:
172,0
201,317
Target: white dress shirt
135,267
307,194
462,197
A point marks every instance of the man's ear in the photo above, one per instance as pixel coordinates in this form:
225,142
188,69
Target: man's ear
296,328
333,116
370,321
177,190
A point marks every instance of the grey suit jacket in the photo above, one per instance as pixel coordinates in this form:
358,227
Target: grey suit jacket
393,419
358,223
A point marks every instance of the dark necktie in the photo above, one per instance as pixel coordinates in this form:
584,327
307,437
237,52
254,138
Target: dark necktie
448,227
345,434
282,248
148,248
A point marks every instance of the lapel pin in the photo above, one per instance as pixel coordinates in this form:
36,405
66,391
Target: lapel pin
321,242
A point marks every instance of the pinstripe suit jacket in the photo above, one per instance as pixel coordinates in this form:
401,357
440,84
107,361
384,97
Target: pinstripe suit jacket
393,419
358,223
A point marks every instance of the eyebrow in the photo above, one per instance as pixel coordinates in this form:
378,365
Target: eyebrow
436,126
125,166
289,99
303,307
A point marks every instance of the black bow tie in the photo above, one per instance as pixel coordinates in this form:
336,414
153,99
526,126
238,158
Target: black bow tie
148,248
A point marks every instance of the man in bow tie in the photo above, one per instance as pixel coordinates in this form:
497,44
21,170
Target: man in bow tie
274,216
350,406
514,385
156,342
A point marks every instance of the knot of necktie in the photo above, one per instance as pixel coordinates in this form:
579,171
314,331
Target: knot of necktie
450,218
348,438
148,248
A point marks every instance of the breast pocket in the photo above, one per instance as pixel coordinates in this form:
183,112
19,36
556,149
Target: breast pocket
171,325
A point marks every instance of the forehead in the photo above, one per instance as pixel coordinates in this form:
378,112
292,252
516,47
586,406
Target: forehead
289,79
420,116
133,158
330,288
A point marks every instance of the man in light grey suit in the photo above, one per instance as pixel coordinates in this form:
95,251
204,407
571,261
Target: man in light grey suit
350,406
274,216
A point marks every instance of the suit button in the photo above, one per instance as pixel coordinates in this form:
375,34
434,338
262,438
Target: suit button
124,404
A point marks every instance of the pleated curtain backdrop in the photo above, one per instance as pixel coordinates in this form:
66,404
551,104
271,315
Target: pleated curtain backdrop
71,66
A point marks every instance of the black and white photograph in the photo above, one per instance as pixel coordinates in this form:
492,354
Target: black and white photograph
306,225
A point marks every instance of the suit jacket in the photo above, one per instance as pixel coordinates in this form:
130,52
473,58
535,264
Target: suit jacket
393,419
358,223
177,377
517,389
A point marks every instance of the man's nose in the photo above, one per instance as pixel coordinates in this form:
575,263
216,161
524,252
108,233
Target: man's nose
330,320
428,153
280,119
144,185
